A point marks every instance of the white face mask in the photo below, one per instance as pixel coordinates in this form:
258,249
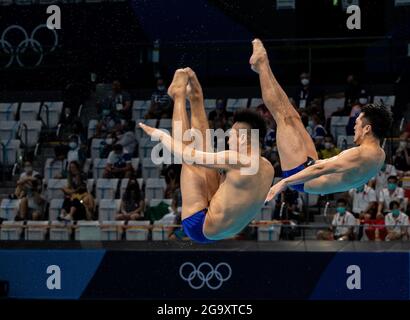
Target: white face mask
119,107
363,101
403,144
72,145
311,123
161,88
108,141
305,81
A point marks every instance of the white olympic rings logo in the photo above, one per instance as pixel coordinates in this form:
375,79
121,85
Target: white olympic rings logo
205,276
14,51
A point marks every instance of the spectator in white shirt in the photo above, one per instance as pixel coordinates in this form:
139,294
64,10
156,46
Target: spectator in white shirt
387,195
396,222
75,152
127,137
363,200
381,178
24,183
343,222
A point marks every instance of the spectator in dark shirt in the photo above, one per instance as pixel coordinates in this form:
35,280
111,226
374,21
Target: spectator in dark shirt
161,103
306,93
118,164
132,202
118,101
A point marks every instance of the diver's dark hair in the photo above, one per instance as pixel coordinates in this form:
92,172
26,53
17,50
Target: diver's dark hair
252,119
379,118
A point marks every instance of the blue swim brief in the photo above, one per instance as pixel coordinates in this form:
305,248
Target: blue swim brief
193,227
288,173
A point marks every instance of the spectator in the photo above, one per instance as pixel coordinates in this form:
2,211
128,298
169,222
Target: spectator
306,93
108,123
75,153
270,138
78,205
172,174
118,102
219,118
161,103
132,202
118,164
364,200
329,148
386,171
316,130
32,204
402,156
107,145
396,222
387,195
343,224
75,178
126,137
25,182
352,89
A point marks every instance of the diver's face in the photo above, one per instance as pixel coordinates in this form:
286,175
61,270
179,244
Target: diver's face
358,130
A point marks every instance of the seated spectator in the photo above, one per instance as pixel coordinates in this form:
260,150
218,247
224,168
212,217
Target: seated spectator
270,138
343,224
329,148
78,205
118,102
402,157
126,137
75,178
75,153
397,223
364,201
132,202
107,145
316,130
387,195
172,174
118,164
32,205
219,118
306,93
25,182
108,123
161,103
386,171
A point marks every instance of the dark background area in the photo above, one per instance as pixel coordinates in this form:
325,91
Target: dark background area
115,40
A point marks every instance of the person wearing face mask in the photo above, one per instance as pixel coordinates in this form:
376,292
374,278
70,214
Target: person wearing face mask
132,202
75,152
380,179
161,103
118,164
24,183
392,193
107,145
343,222
118,101
329,148
306,93
108,123
363,199
32,205
397,223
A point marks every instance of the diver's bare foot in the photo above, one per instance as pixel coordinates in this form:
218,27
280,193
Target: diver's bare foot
179,84
259,55
194,89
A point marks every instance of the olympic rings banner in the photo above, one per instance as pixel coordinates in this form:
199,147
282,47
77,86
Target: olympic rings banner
16,41
195,274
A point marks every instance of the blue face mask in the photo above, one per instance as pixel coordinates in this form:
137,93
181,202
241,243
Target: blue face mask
341,210
395,212
383,167
391,186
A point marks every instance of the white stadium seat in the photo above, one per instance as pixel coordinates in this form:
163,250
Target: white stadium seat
137,230
92,125
154,188
9,209
333,104
150,169
111,230
235,104
10,152
255,102
54,113
30,132
106,188
60,231
88,231
269,233
54,210
108,208
11,230
98,168
29,111
36,230
54,187
8,111
9,130
96,147
140,108
338,126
